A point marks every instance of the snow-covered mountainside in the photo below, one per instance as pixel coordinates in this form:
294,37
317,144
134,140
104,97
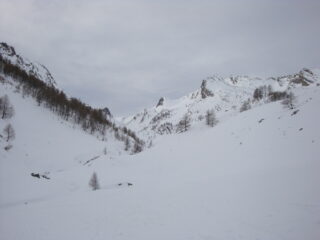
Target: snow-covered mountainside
225,96
25,79
38,70
45,133
253,176
43,144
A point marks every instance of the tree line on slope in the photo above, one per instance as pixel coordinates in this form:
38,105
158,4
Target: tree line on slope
71,109
288,99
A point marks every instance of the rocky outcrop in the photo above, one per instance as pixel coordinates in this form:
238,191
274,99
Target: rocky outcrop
39,71
160,102
107,113
205,92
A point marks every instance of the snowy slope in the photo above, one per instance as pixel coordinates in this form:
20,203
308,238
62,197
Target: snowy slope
246,178
44,144
224,95
36,69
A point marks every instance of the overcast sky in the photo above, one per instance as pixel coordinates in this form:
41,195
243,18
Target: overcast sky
126,54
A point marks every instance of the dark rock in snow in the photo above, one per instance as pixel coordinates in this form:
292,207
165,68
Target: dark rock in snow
295,112
160,102
37,175
127,183
45,176
106,112
204,91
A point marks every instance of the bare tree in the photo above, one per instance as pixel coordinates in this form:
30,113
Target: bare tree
245,106
137,147
94,183
127,144
184,124
6,109
9,133
211,119
289,101
150,144
261,92
105,151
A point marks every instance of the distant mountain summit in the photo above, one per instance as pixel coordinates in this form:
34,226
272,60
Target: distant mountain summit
8,53
226,96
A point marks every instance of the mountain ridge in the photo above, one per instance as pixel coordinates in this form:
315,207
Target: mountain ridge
225,95
36,69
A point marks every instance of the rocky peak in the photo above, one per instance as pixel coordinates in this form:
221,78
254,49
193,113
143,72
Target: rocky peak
304,77
160,102
205,92
9,54
306,71
6,49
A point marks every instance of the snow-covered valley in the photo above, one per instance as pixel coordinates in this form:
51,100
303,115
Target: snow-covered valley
252,176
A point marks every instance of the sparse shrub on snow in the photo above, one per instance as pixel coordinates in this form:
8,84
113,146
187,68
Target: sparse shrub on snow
289,101
137,147
211,119
245,106
165,128
9,133
127,144
6,108
257,94
184,124
94,183
276,96
160,116
105,151
260,93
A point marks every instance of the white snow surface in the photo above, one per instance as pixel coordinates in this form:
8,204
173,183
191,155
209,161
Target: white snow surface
245,178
